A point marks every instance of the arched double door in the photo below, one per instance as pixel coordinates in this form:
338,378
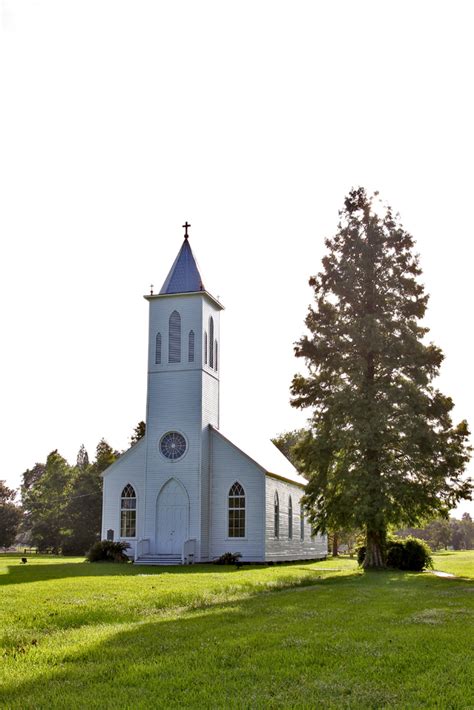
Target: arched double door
172,518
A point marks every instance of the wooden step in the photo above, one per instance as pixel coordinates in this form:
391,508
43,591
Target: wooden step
158,560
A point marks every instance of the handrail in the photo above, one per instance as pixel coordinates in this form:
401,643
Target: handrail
189,551
144,542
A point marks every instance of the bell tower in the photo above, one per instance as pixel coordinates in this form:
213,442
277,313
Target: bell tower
182,400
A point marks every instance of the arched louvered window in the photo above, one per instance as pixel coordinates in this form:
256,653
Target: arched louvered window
174,341
236,511
276,515
216,357
211,341
205,347
128,512
301,522
191,346
158,349
290,518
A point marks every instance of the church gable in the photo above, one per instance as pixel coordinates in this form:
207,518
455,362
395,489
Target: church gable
132,459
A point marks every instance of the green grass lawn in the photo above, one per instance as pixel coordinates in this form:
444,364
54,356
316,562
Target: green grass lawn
459,563
76,635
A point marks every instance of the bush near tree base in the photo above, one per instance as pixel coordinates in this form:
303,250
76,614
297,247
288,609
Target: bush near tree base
108,551
408,554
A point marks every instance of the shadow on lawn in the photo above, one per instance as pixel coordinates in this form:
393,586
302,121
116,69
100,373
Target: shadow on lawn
109,604
31,572
39,570
268,650
155,663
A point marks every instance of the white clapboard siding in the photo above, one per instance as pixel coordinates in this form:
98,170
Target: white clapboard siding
130,468
229,465
282,548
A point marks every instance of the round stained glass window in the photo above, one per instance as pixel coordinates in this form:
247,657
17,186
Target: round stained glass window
173,445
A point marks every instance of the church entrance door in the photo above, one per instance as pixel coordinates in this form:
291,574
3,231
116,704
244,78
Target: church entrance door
172,513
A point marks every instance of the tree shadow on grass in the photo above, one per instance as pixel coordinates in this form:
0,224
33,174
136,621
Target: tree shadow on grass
270,650
31,572
75,607
39,570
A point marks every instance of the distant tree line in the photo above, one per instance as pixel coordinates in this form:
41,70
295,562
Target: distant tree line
61,504
443,534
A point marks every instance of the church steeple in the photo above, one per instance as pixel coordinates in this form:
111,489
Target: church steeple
184,276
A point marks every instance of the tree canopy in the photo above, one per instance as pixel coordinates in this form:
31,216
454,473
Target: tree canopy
138,433
382,448
10,515
62,503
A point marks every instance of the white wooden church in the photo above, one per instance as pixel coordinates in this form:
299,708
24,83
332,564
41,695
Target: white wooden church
187,492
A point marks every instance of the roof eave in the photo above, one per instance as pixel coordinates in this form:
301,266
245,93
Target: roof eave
153,296
287,479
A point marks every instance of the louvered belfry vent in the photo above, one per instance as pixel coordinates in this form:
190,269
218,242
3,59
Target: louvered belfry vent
211,341
191,346
174,341
158,349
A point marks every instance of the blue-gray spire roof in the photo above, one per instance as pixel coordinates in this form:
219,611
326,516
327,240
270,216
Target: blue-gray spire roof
184,276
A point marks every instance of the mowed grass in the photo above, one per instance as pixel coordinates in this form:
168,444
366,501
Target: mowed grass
459,563
76,635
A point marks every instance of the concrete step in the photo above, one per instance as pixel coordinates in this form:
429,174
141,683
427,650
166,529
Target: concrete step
158,560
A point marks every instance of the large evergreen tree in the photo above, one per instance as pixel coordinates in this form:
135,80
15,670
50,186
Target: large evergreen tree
382,448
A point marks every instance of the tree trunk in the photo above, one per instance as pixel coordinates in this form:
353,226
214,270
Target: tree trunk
374,553
334,545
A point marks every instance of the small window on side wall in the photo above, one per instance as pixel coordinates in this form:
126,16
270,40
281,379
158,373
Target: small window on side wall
290,518
276,515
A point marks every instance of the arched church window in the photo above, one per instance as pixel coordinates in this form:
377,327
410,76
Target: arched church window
205,347
211,341
128,512
158,349
216,357
301,522
236,511
290,518
174,342
276,515
191,346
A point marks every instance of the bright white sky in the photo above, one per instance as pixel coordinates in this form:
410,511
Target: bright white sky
252,120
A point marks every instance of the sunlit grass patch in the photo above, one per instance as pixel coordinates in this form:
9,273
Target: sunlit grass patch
460,563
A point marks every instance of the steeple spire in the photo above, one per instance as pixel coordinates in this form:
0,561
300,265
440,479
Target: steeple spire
184,276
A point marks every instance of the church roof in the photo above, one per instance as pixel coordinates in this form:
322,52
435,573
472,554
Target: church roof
267,456
184,276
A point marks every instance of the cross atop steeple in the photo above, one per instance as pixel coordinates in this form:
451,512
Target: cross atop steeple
186,225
